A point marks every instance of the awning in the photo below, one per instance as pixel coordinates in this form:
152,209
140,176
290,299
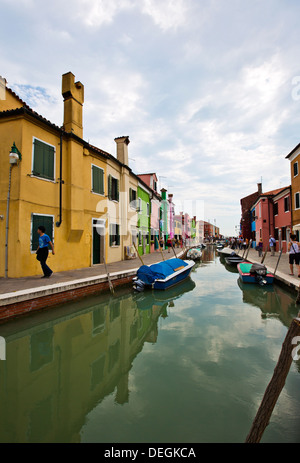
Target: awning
296,227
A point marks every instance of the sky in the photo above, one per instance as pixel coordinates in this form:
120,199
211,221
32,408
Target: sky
208,91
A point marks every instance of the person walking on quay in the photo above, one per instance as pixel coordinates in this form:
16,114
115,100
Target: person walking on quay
260,247
43,251
294,254
272,243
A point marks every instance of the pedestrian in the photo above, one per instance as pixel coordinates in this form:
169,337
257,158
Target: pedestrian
169,244
294,254
260,247
272,243
43,251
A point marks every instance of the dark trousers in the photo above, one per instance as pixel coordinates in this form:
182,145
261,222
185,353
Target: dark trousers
43,256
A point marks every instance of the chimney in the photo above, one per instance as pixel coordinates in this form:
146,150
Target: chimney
122,149
170,197
73,94
259,188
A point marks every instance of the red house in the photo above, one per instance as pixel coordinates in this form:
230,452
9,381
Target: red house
272,216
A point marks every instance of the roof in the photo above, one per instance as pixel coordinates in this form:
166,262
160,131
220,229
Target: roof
274,192
26,110
293,151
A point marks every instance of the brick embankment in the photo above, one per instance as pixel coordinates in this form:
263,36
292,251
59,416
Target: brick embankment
21,296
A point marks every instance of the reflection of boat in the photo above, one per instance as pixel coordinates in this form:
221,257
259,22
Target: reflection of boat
255,273
194,254
146,300
162,275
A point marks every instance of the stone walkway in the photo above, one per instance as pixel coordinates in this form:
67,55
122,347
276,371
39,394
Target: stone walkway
11,285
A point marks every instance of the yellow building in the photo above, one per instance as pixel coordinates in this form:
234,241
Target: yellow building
63,183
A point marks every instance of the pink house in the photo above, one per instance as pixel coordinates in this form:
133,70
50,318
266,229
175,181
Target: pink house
282,218
152,182
171,214
272,216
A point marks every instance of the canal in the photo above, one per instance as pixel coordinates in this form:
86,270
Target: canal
186,366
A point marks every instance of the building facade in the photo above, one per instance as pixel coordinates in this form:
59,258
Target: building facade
77,191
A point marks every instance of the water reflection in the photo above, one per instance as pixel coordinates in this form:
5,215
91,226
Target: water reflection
58,371
272,300
173,366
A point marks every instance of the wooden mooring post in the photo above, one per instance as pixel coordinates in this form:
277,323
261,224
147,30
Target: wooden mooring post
287,355
108,277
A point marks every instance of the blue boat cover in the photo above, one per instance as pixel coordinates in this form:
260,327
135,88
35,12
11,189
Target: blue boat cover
159,271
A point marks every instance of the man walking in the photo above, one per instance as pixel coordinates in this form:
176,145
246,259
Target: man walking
272,243
43,251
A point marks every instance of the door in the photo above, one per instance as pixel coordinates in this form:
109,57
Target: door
98,241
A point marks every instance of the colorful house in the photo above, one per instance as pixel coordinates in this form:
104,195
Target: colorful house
271,218
282,218
62,182
163,223
294,158
144,218
171,213
151,181
178,227
246,207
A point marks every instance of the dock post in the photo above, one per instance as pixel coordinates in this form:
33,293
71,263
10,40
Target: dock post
280,254
108,277
287,355
138,254
264,256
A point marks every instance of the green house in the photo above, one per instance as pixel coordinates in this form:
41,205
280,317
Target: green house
144,219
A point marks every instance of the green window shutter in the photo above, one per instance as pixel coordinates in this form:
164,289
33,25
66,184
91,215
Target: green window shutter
98,184
109,186
43,160
110,234
118,190
118,235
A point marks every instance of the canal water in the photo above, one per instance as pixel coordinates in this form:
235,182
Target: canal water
186,366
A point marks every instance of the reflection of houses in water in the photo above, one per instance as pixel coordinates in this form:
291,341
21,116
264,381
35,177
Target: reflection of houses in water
57,372
272,301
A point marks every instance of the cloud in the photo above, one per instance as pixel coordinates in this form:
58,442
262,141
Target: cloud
203,89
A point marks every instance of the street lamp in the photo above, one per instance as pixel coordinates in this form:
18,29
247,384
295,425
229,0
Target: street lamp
14,159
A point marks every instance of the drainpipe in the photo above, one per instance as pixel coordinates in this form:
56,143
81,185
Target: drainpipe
7,222
58,224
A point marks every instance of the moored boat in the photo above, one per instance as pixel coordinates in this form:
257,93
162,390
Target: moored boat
234,260
162,275
255,273
194,254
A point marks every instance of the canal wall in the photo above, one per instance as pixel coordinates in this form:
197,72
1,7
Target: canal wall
29,297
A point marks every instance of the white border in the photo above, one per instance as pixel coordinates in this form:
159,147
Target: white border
31,233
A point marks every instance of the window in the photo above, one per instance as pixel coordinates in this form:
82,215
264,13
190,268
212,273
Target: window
36,220
296,169
132,198
97,180
114,235
283,233
297,200
113,188
276,236
148,209
140,238
276,209
140,207
286,204
43,160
